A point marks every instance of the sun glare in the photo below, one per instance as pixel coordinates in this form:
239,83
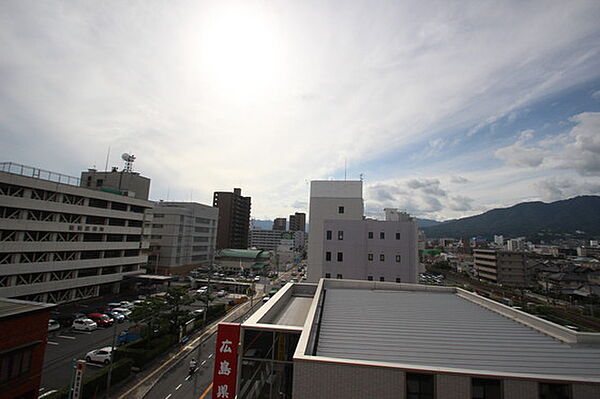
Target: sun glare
240,51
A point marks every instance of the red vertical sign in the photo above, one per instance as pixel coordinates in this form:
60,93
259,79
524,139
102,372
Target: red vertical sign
224,377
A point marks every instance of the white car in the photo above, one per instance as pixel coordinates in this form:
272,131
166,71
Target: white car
257,278
84,325
53,325
221,293
266,299
101,355
125,312
126,304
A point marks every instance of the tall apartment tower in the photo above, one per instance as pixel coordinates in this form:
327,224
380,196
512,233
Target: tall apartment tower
279,224
329,200
234,219
298,221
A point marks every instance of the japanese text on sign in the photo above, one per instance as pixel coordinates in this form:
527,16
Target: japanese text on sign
224,377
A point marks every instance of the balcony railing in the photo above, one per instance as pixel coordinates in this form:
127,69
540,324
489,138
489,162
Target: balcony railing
36,173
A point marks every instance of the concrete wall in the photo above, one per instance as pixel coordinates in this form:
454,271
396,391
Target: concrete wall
325,199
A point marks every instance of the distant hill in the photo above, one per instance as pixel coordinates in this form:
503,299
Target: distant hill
526,219
427,222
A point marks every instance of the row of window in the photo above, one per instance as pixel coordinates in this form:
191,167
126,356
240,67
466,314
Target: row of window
340,257
422,386
370,235
370,278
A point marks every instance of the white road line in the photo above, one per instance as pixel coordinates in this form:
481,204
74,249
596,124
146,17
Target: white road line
168,396
204,361
178,386
209,356
188,377
65,336
41,389
52,343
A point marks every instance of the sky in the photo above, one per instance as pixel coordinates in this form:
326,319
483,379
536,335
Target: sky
444,109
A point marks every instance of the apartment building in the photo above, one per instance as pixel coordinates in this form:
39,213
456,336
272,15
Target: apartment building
279,224
61,242
298,221
184,236
503,267
234,219
344,244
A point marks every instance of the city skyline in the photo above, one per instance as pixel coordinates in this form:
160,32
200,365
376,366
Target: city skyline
445,110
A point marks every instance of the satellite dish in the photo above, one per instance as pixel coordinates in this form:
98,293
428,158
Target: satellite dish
126,157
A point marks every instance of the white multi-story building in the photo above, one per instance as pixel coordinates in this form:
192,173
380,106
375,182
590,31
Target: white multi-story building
61,242
184,236
345,245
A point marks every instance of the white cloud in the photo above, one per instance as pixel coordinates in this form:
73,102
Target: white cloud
596,95
216,95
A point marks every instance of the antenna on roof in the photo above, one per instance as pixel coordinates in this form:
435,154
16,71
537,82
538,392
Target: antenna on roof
107,156
128,162
345,168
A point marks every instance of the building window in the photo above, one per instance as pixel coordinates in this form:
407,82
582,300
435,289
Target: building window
328,256
340,256
398,258
397,236
328,234
370,278
398,280
419,386
15,363
370,256
381,279
382,236
340,235
339,276
382,257
159,215
555,391
340,209
483,388
327,275
370,234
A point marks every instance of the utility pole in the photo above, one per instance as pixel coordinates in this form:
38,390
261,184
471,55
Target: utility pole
111,358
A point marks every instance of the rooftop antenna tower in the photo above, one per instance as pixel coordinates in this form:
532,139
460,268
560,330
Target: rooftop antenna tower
128,162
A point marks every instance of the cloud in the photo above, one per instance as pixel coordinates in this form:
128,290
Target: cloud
553,189
578,150
596,95
459,180
460,203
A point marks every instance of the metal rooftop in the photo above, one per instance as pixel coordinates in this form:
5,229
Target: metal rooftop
11,307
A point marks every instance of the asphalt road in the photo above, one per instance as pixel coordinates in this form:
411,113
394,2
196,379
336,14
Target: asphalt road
67,344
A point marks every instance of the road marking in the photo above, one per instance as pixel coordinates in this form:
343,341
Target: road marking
52,343
178,386
188,377
168,396
65,336
82,332
41,389
204,361
207,391
209,356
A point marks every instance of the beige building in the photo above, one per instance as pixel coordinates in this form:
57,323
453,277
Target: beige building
61,242
357,339
184,236
503,267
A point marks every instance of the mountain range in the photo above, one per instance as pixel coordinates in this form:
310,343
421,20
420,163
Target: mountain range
527,219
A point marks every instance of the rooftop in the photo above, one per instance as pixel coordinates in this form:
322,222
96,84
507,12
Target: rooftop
243,253
12,307
36,173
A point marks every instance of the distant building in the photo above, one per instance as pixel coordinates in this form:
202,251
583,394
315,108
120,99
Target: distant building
279,224
591,251
503,267
298,221
499,240
515,244
243,260
345,245
62,242
184,236
23,337
269,240
122,182
234,219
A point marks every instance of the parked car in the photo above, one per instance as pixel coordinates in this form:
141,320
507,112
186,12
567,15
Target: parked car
138,302
123,311
257,278
53,325
84,324
114,305
101,355
102,319
118,317
65,320
127,336
221,293
266,298
126,305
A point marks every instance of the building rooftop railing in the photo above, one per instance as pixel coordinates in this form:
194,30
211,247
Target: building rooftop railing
36,173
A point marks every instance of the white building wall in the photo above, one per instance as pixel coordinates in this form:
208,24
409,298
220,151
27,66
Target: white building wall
326,198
